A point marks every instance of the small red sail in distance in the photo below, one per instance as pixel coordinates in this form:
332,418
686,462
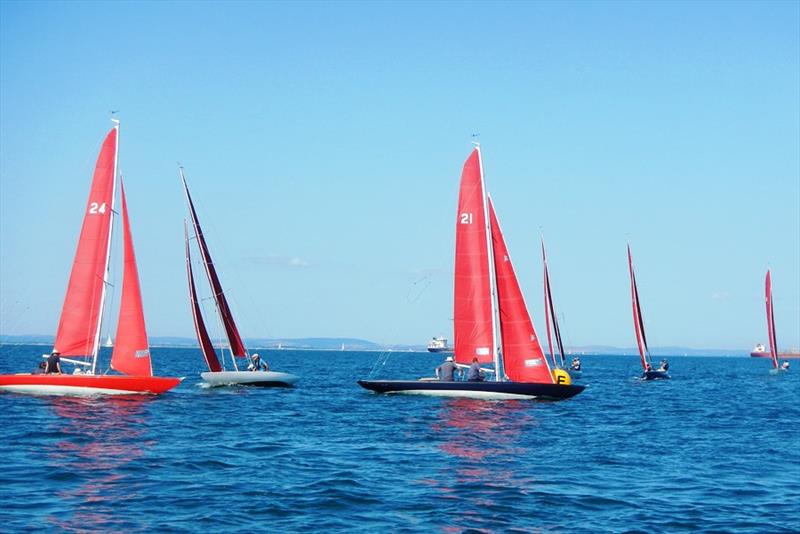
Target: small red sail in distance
523,359
131,354
80,315
773,344
472,306
232,332
206,346
638,322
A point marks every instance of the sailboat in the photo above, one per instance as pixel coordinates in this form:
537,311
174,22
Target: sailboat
551,320
638,325
217,374
491,321
109,342
78,335
773,344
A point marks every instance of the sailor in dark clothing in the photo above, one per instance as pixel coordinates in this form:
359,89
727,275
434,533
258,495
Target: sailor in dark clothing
446,371
53,363
475,374
663,365
576,364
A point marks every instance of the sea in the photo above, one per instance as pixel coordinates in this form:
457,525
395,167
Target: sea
715,449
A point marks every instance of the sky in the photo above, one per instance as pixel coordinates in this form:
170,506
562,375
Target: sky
323,145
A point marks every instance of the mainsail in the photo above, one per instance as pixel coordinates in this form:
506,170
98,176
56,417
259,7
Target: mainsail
523,359
472,306
550,316
206,345
638,322
79,327
232,332
131,354
773,344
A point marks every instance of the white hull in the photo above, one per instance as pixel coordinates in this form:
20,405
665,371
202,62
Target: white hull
249,378
464,394
78,391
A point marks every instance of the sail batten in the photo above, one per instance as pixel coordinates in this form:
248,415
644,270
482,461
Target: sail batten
231,331
131,354
523,358
79,324
206,346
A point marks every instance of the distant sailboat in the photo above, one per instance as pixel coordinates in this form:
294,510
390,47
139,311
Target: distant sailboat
109,342
79,328
217,375
551,318
491,321
638,325
773,344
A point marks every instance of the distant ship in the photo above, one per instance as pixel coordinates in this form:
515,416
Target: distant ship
760,351
439,344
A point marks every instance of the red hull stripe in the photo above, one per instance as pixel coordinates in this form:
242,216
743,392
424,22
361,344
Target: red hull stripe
137,384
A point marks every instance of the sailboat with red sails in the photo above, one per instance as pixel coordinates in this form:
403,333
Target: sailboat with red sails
78,336
491,320
773,344
648,373
551,324
217,374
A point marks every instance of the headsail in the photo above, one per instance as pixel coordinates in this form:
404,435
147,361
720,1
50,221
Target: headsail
773,344
232,332
79,326
638,322
206,346
550,316
523,359
131,354
472,307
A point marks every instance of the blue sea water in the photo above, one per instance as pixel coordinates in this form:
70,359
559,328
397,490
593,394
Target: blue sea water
715,449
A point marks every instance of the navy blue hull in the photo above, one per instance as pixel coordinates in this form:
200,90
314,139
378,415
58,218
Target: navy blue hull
655,375
481,389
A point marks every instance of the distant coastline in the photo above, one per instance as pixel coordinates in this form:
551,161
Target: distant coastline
356,344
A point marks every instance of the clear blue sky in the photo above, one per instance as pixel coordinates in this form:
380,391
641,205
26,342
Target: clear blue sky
323,143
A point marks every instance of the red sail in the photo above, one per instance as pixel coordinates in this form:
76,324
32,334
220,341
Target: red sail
234,339
199,325
131,354
523,359
472,307
638,322
80,315
773,345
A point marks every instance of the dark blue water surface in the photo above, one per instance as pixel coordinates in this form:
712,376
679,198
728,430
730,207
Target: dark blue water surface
715,449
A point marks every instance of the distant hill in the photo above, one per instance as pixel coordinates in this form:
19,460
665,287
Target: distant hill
349,343
312,343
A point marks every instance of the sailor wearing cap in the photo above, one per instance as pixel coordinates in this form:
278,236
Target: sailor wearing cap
53,363
446,371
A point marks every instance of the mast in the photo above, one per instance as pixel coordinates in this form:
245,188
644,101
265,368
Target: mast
638,321
224,314
497,342
773,343
96,346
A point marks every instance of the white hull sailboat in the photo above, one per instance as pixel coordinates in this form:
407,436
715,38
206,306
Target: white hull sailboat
217,374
